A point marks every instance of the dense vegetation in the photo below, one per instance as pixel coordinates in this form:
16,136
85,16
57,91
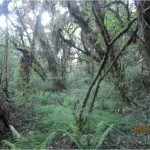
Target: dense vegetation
74,74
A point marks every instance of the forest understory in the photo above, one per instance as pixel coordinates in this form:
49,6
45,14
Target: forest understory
74,74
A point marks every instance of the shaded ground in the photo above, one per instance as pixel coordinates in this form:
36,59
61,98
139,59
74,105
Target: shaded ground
120,139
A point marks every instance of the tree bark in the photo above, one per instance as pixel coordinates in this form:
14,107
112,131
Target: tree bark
58,83
4,111
6,49
143,8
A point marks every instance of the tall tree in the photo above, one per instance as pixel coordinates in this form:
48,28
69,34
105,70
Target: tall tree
102,50
143,9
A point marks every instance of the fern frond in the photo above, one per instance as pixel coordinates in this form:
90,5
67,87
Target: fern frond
74,139
100,127
102,137
11,145
47,140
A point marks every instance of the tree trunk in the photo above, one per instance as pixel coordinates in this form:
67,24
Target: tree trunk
58,83
24,74
143,8
4,112
6,51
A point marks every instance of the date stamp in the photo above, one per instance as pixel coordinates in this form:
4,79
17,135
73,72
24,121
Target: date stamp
142,128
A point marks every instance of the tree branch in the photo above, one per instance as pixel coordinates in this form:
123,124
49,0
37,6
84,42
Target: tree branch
100,23
69,42
122,32
122,3
109,68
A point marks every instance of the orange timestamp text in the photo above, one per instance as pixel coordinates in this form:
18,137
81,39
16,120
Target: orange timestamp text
142,128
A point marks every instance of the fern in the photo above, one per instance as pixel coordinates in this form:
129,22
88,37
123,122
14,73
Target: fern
74,139
100,127
84,141
100,139
47,140
9,144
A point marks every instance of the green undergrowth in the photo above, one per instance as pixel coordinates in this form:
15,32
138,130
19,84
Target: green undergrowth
45,115
110,118
32,140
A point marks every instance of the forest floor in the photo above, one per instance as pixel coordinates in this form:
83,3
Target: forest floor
46,120
36,122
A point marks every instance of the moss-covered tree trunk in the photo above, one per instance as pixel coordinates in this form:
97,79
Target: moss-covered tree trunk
4,113
24,73
58,83
143,8
28,59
